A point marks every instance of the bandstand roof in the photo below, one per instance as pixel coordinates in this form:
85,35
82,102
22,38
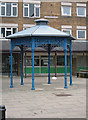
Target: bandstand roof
40,29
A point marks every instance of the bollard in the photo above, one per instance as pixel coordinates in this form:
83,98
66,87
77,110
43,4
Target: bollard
2,112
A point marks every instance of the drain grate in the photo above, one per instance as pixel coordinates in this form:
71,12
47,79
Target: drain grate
62,94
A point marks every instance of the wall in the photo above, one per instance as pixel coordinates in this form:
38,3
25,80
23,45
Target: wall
82,62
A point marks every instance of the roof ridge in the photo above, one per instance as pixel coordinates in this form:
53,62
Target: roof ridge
35,30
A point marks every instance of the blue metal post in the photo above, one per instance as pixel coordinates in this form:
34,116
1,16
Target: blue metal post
25,64
22,65
49,64
11,84
65,50
70,62
33,49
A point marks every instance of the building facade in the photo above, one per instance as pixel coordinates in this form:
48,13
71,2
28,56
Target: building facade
70,17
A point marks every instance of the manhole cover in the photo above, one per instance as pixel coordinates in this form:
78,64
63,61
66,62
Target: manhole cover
63,94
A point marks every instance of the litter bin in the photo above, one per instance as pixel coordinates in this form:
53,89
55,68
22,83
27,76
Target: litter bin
2,112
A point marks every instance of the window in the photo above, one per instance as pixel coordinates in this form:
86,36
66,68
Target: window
66,10
14,30
7,31
60,61
29,61
8,9
44,61
14,9
26,10
3,6
68,31
81,34
2,32
37,10
81,11
31,10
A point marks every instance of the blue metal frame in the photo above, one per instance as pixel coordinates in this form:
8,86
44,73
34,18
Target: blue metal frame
70,62
34,42
49,40
11,84
65,50
33,49
49,64
22,65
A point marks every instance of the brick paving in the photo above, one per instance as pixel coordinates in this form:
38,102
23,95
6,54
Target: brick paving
44,102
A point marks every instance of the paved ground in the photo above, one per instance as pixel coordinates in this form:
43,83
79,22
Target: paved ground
44,102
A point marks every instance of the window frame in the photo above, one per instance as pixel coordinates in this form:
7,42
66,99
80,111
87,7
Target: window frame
34,11
1,34
81,30
35,6
24,10
11,9
77,11
67,30
29,58
63,12
1,7
7,30
12,6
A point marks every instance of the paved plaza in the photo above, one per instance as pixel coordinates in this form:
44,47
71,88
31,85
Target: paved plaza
46,101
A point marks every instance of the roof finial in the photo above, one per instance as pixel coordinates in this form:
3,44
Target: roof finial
42,21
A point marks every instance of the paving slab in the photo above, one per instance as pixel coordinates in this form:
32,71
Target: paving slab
43,102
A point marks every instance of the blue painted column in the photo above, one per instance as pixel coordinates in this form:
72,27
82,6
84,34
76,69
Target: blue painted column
65,50
33,49
25,65
49,64
70,62
11,83
55,63
22,65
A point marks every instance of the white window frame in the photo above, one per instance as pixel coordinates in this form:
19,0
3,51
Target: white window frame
0,9
11,9
7,30
0,32
12,6
23,9
35,6
81,15
81,38
67,30
62,7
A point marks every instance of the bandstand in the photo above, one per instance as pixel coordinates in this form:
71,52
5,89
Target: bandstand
36,36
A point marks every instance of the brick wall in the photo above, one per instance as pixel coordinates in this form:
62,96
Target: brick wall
54,9
50,9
